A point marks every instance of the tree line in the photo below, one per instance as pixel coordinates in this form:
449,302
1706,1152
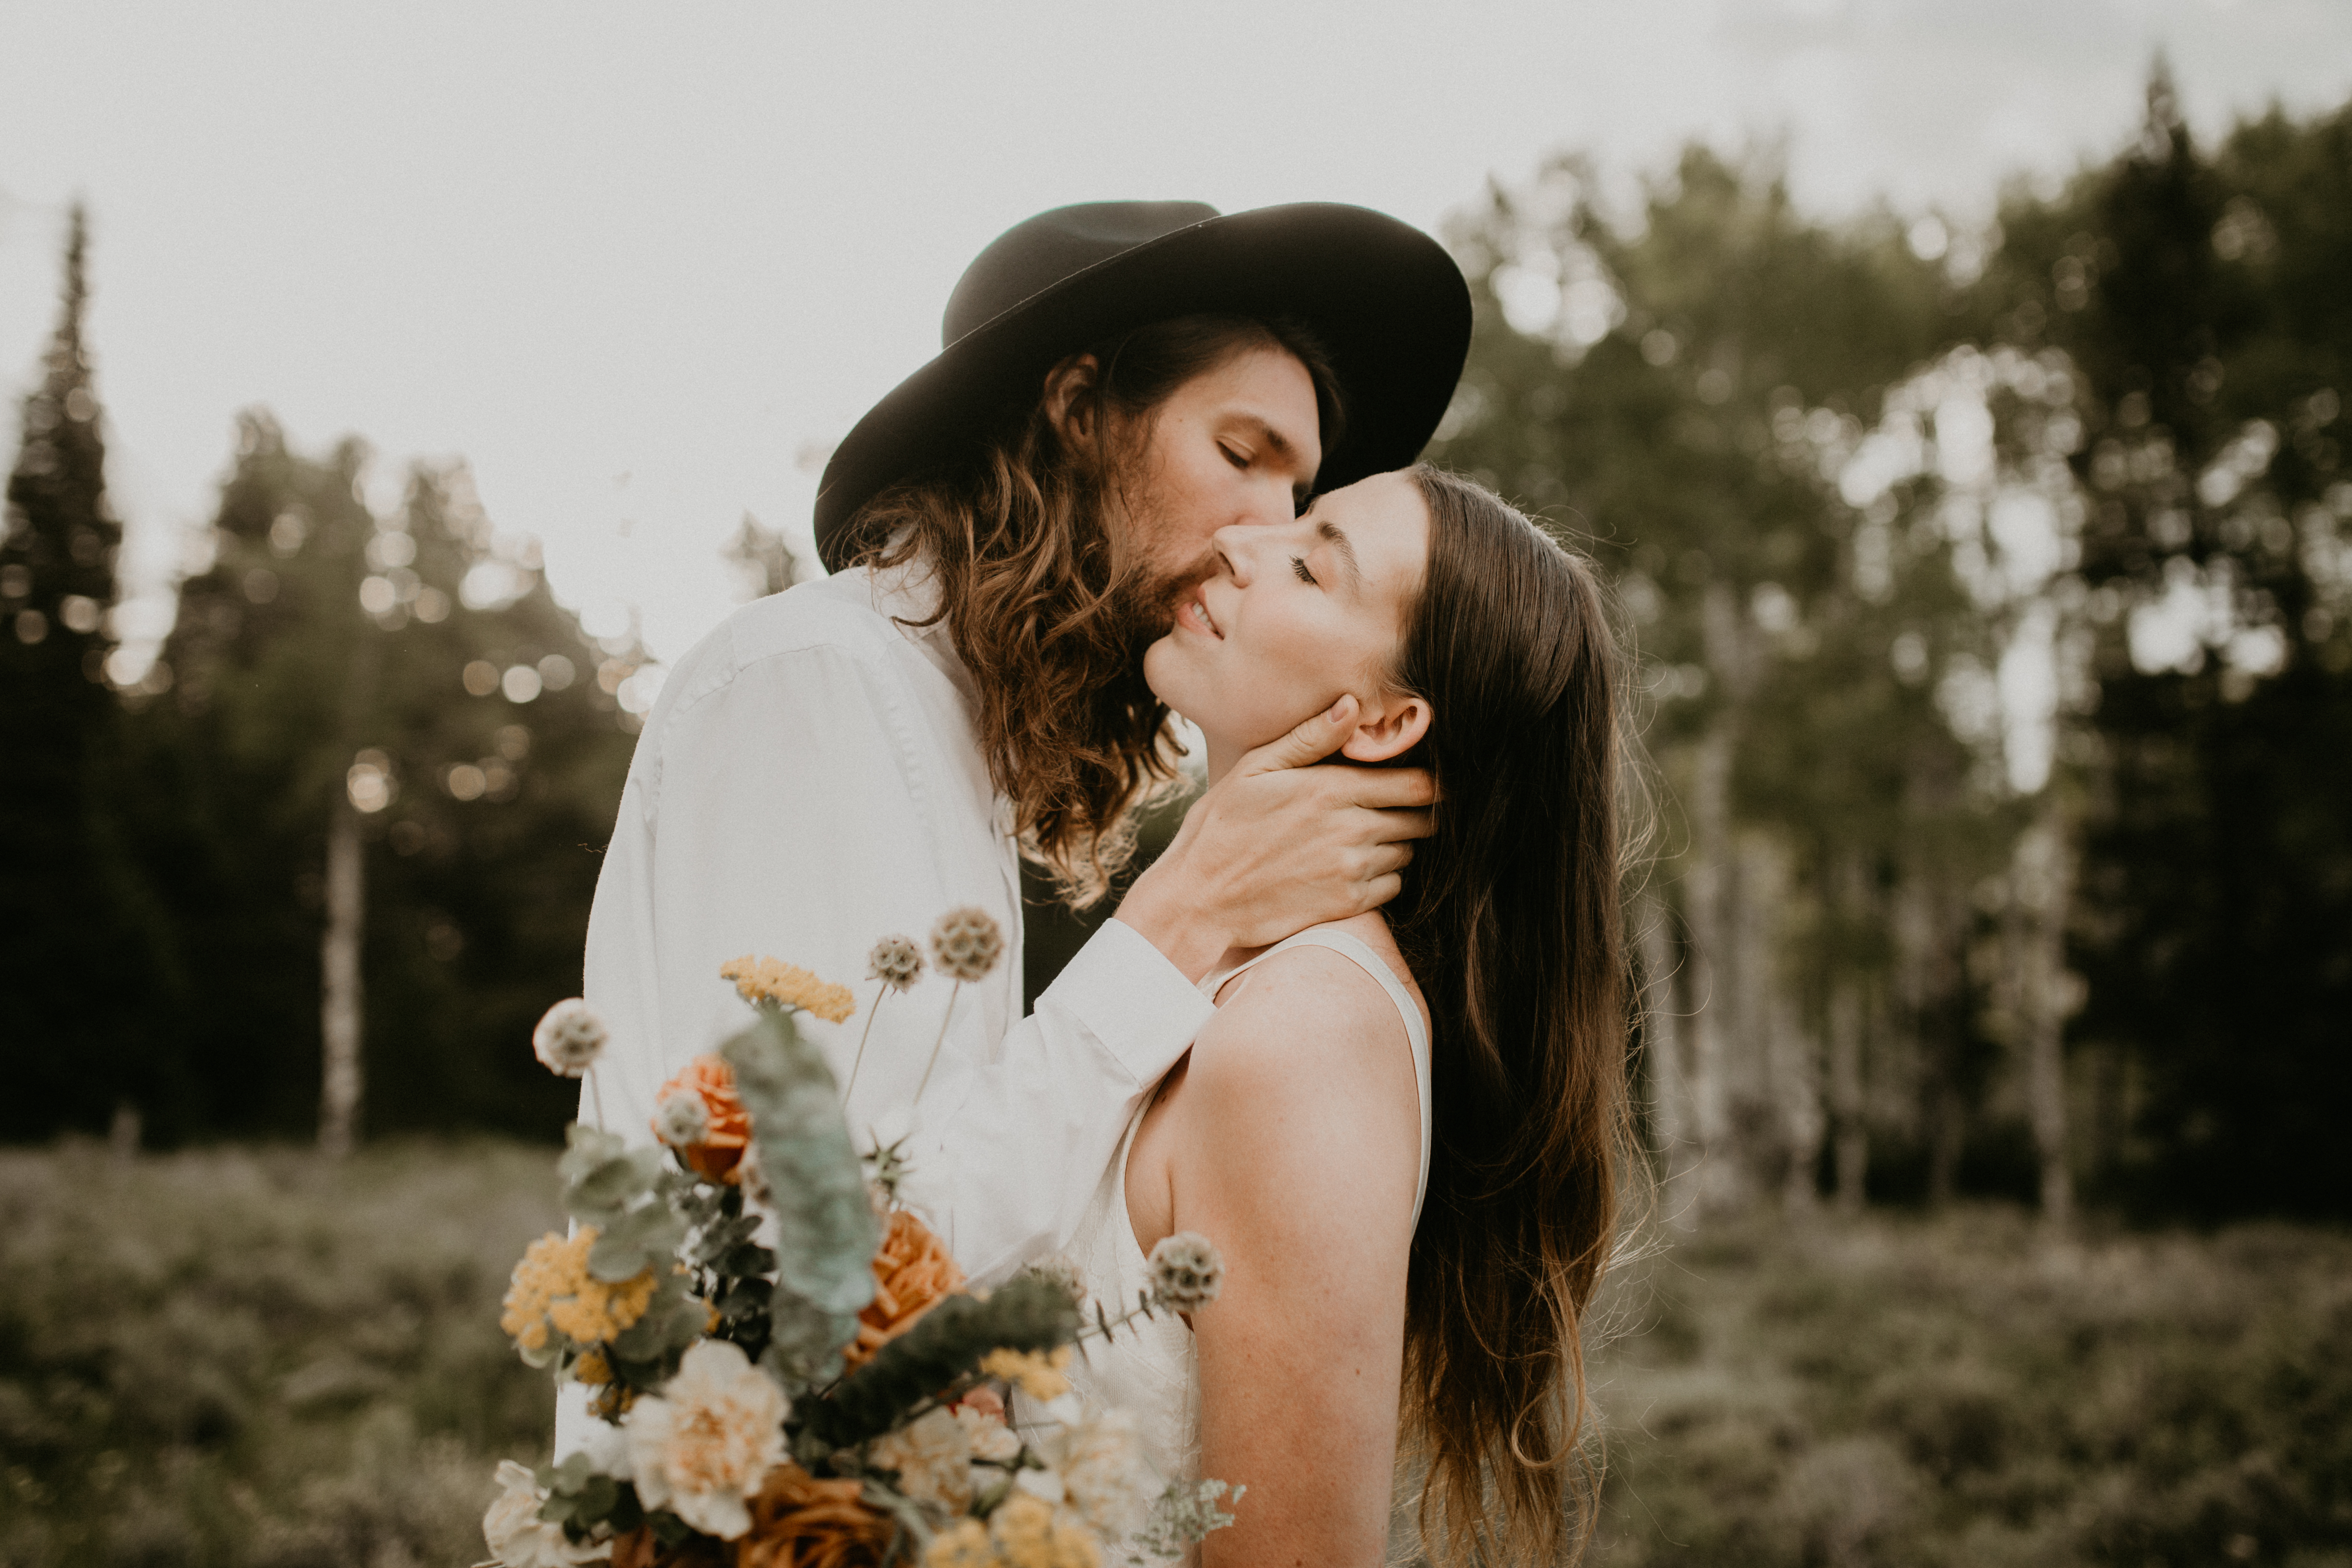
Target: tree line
1991,596
321,863
1993,600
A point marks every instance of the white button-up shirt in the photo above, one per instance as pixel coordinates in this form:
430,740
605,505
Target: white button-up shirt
809,780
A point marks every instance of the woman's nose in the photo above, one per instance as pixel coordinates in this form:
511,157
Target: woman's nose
1236,545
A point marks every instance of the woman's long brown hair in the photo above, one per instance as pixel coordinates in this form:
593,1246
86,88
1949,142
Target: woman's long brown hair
1051,606
1510,919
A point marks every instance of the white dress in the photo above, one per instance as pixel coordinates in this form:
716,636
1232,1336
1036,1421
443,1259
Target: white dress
1149,1369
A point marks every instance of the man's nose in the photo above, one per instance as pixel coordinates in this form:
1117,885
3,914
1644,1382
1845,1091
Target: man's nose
1268,504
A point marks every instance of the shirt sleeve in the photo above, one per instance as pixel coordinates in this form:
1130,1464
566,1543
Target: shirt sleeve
1025,1142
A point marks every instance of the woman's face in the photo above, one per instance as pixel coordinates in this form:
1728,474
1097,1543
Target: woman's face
1297,614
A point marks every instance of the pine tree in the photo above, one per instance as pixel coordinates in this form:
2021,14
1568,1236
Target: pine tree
376,791
2200,293
59,1004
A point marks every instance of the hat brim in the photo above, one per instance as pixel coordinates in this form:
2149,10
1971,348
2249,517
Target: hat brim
1386,301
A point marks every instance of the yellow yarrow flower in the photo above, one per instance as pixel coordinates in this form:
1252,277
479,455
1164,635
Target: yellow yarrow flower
965,1546
592,1368
1034,1374
552,1289
1032,1534
788,986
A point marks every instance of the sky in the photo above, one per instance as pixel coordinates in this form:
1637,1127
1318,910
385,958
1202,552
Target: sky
639,267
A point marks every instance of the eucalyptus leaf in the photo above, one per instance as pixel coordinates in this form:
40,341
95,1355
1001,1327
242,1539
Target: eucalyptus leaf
825,1230
804,1340
646,1236
607,1187
596,1499
671,1321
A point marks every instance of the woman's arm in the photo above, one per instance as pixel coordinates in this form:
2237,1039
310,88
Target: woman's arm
1295,1146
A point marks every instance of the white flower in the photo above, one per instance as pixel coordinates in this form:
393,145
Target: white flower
569,1037
990,1437
933,1458
1186,1271
607,1449
1103,1474
682,1120
1043,1485
520,1538
706,1441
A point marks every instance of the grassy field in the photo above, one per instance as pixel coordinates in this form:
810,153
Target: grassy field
247,1357
252,1357
1957,1392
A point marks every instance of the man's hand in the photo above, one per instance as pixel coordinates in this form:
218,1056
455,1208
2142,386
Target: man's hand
1278,844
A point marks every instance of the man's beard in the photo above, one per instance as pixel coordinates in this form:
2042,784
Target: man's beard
1147,603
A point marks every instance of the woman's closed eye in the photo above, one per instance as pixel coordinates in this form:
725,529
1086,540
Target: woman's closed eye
1298,565
1238,459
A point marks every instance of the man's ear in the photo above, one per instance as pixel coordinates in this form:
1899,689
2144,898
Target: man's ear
1390,731
1069,403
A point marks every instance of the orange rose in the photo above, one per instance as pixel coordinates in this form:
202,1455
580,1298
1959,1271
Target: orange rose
911,1272
799,1522
711,1081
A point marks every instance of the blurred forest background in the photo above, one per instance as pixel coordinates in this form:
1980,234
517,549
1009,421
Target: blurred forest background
1992,591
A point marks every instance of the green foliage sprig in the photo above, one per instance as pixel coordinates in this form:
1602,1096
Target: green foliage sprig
1030,1313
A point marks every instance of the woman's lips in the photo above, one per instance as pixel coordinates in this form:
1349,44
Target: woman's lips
1195,615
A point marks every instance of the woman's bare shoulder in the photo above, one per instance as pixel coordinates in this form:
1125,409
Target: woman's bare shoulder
1298,1102
1306,1022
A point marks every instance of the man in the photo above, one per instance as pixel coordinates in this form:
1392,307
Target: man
1008,528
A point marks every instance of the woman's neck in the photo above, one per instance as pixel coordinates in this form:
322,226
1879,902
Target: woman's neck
1218,757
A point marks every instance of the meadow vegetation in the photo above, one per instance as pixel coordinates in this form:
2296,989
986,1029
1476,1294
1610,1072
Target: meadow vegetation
250,1356
1958,1390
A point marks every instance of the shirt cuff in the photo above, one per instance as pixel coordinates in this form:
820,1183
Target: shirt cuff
1124,992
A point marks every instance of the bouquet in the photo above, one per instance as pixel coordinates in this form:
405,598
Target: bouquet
793,1370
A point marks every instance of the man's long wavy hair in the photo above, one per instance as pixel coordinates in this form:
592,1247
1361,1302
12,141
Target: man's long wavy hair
1510,919
1050,604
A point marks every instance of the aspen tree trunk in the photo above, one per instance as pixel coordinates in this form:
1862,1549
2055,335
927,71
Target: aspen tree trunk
1708,902
1941,1032
1703,891
1852,1137
1791,1057
1846,1021
1662,1049
2044,885
339,998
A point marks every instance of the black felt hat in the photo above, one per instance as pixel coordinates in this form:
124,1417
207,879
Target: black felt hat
1385,300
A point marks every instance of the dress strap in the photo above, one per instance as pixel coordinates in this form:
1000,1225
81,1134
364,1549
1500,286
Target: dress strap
1354,947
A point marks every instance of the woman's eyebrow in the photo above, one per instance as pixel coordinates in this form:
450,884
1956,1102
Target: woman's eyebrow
1327,530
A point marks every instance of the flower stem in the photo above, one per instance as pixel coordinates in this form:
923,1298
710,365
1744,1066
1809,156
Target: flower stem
862,1038
957,990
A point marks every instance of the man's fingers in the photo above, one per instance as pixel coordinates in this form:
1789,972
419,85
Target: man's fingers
1310,743
1386,789
1394,826
1386,859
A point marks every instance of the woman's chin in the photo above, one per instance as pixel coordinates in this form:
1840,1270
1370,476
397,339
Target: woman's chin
1156,670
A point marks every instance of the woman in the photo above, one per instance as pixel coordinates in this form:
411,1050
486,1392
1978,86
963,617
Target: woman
1401,1131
